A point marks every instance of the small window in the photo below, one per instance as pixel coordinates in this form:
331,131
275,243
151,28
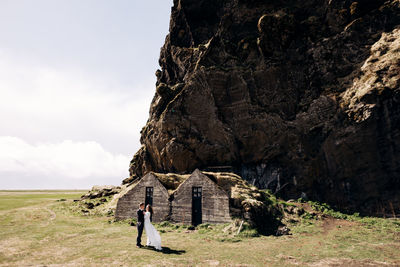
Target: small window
149,196
149,191
196,192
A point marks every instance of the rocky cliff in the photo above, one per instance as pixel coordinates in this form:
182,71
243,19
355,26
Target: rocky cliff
300,97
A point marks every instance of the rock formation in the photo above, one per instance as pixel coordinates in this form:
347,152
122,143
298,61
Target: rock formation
300,97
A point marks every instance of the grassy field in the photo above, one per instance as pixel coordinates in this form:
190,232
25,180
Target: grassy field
37,229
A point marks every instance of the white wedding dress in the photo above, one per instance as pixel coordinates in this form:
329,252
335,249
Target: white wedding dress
153,237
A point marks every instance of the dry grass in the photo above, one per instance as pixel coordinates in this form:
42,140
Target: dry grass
171,181
49,233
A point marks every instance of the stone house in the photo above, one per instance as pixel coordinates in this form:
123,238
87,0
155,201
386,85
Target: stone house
200,200
149,190
193,199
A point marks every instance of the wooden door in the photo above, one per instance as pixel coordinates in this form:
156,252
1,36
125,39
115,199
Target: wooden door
196,205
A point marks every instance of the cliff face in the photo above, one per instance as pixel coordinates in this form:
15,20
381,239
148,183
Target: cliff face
300,97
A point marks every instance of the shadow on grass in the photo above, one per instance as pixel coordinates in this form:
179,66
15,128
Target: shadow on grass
167,250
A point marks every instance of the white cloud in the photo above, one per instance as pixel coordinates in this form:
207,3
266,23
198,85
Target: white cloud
67,128
67,159
45,104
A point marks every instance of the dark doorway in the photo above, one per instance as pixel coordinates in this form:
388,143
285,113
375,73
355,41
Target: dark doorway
149,196
196,205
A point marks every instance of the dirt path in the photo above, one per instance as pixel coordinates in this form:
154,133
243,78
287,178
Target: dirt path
336,262
53,216
330,223
46,221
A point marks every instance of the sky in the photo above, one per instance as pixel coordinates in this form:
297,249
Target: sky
76,81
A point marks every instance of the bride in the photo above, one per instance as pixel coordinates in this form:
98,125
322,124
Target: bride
153,237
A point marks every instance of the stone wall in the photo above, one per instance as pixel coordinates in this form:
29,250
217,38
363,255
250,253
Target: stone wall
215,201
128,204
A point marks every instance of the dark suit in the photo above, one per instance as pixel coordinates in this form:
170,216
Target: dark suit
140,225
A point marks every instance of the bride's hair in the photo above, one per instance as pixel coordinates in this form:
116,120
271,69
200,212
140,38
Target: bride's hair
150,208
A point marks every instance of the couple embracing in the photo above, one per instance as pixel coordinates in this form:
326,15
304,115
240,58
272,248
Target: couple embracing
144,218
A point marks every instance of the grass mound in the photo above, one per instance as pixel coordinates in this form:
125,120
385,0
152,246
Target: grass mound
100,202
258,208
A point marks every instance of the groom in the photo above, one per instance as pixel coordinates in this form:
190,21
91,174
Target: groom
140,224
